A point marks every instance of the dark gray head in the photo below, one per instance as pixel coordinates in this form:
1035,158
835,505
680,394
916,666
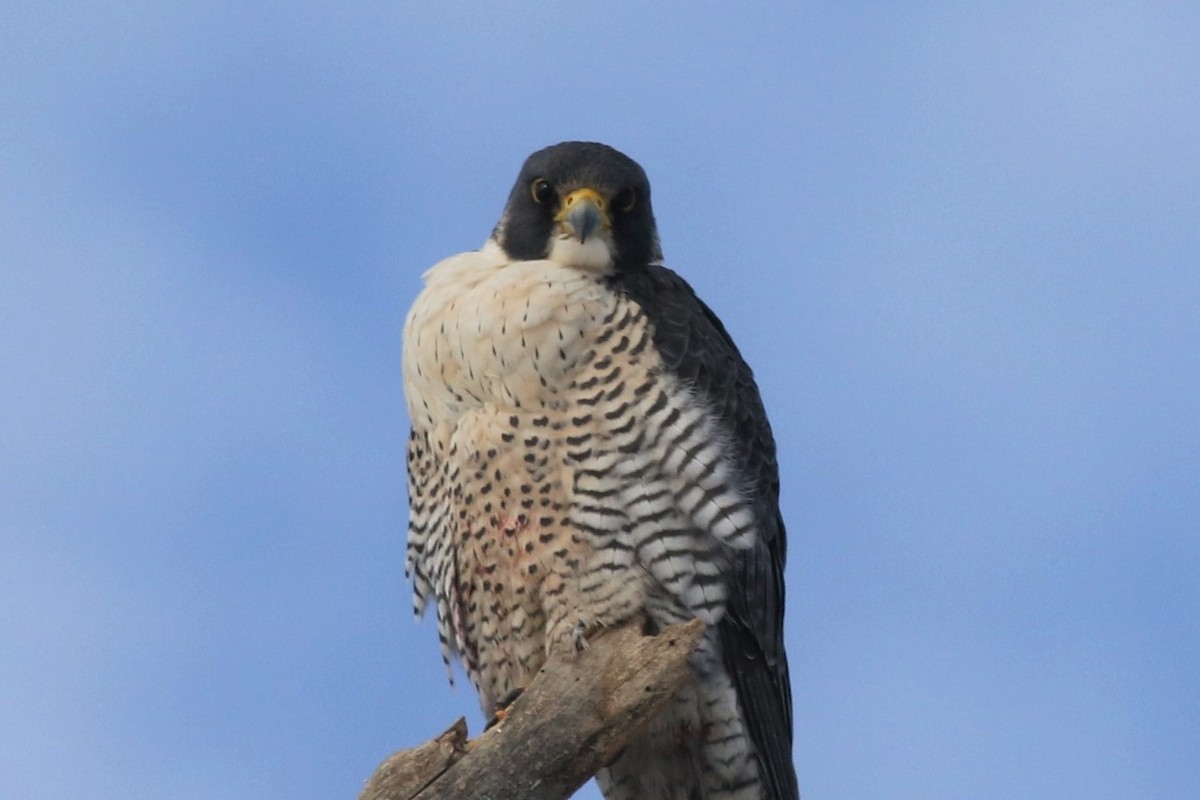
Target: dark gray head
582,204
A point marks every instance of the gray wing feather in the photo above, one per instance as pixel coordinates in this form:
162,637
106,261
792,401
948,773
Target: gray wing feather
697,349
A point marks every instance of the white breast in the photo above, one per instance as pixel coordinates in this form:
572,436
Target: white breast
487,331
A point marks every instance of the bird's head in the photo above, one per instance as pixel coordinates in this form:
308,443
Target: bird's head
583,205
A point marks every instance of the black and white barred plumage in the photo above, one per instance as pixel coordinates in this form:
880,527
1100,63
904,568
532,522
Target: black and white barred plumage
588,448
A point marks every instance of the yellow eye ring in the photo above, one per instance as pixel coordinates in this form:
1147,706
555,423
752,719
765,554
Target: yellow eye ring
542,192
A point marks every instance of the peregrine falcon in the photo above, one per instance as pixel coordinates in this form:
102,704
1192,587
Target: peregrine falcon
588,449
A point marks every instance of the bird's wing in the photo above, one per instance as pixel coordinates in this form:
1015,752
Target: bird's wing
697,350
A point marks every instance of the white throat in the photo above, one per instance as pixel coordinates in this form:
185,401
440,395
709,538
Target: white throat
594,255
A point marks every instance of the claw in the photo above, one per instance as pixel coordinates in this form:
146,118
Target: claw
579,634
504,708
569,639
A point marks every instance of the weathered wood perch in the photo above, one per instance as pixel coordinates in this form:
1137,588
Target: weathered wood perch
573,719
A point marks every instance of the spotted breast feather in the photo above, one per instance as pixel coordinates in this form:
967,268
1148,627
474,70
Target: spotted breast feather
588,449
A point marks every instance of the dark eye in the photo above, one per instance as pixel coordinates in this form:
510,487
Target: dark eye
626,199
541,191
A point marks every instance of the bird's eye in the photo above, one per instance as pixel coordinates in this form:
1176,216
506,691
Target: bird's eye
542,192
626,199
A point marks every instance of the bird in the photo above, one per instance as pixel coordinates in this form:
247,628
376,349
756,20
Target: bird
588,449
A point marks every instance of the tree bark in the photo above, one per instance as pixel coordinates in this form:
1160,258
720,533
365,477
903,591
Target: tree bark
575,716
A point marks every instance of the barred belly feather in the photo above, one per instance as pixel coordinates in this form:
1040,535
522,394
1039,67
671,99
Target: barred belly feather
589,449
561,481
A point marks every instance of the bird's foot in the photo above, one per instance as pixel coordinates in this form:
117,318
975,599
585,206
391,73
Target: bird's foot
504,708
564,637
579,636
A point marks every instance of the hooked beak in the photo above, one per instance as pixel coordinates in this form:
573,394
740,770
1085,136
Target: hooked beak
582,212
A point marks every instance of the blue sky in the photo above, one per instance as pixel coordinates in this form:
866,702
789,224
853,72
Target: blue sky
959,244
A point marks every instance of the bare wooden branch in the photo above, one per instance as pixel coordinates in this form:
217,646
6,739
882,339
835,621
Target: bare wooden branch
573,719
404,774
